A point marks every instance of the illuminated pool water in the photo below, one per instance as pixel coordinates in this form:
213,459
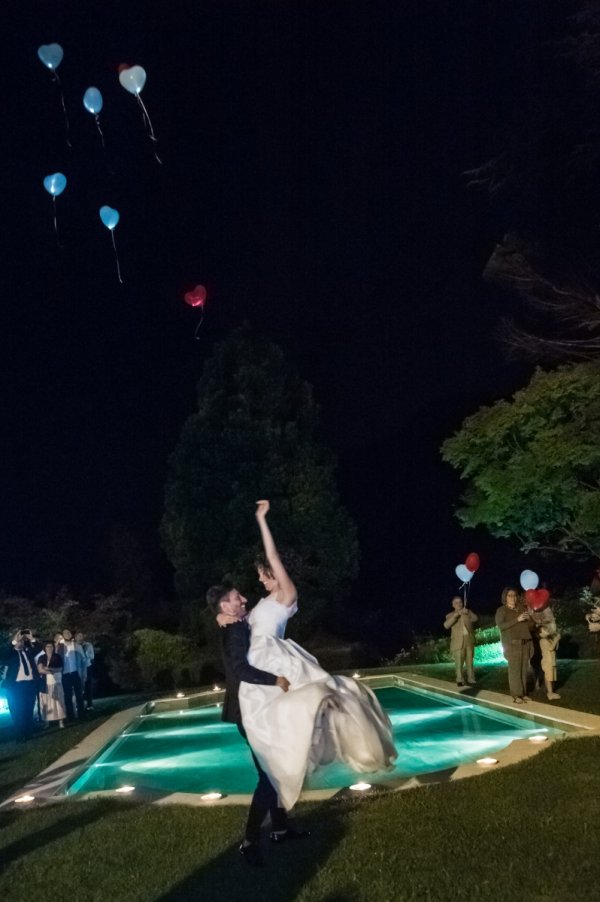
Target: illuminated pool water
193,751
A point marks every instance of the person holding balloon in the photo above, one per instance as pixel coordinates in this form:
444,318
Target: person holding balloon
514,624
546,637
544,631
460,622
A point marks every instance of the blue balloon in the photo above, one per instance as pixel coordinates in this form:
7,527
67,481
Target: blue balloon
92,101
109,217
529,580
464,574
55,184
51,55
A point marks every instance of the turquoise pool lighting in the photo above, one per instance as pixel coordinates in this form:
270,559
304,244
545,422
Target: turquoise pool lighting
193,751
491,653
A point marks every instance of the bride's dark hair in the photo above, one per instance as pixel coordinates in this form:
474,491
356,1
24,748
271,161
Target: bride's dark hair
261,563
291,561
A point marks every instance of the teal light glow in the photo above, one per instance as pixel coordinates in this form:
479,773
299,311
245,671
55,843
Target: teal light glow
489,654
196,752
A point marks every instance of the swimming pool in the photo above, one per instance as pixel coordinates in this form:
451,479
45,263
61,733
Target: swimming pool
190,750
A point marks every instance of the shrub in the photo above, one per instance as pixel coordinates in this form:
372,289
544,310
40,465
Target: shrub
162,658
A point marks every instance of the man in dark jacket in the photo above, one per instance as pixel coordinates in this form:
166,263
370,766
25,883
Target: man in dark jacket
20,683
235,642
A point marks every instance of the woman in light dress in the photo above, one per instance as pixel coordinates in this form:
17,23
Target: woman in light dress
322,718
52,699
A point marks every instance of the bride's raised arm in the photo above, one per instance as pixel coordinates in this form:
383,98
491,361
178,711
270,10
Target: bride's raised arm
286,593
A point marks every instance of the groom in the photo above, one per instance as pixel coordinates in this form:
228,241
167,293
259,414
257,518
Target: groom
235,642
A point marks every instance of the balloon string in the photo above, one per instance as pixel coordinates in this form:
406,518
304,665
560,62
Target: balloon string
151,134
146,118
108,166
196,336
64,108
112,235
55,221
97,118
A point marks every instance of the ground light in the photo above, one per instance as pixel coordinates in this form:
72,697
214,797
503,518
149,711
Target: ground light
22,800
539,737
360,787
356,675
211,796
124,789
216,688
181,695
487,762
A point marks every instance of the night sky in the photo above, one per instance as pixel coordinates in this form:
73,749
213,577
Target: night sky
313,157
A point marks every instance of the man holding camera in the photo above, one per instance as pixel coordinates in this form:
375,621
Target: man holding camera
20,683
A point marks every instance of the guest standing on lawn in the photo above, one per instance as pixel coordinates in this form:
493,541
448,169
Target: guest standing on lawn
546,636
514,624
20,683
88,651
74,672
460,622
52,699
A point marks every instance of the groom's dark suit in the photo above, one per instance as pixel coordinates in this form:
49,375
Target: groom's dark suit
235,642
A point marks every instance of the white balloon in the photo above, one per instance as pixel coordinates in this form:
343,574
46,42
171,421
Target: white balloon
529,580
133,79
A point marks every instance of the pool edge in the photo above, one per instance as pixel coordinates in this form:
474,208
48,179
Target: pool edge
47,786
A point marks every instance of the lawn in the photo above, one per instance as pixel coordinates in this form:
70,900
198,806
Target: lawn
578,681
530,831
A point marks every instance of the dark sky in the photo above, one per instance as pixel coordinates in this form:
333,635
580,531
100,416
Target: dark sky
313,154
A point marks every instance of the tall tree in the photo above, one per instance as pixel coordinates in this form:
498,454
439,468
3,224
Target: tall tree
130,571
254,436
545,183
532,464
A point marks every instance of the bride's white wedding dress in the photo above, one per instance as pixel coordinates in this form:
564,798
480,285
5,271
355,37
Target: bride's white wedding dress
322,718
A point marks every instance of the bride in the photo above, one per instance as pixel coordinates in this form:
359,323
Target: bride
322,718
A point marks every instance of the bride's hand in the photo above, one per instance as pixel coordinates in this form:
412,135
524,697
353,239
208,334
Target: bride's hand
262,509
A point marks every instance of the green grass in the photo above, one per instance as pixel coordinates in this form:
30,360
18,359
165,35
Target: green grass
19,763
578,681
529,831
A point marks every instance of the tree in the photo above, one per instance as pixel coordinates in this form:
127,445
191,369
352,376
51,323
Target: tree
568,300
544,181
165,659
533,463
254,436
130,570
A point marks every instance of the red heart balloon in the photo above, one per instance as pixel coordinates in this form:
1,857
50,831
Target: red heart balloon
472,562
123,66
196,297
537,599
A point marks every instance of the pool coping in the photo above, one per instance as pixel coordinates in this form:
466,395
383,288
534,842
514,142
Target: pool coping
45,788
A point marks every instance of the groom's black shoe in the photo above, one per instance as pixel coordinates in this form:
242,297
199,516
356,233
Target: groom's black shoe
252,854
286,835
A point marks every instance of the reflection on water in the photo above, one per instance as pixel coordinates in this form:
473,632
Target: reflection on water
194,751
